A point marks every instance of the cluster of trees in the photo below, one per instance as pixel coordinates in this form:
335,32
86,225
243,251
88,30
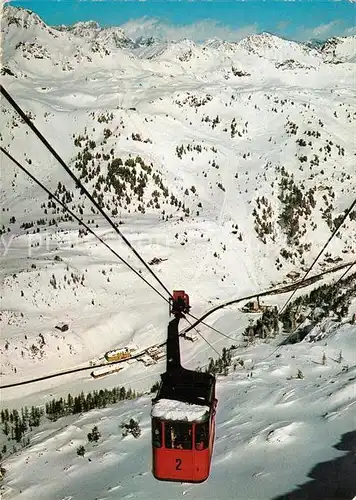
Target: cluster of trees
51,207
338,219
180,150
327,215
263,223
314,162
238,72
137,137
194,101
12,220
266,326
128,179
327,197
79,139
291,128
215,121
93,437
301,142
313,133
15,423
132,427
78,404
73,280
221,365
120,175
233,129
105,117
329,298
63,194
295,204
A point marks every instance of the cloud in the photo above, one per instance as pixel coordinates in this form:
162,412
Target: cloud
199,31
350,31
324,31
282,25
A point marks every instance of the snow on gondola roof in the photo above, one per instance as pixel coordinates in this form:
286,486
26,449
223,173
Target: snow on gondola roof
170,409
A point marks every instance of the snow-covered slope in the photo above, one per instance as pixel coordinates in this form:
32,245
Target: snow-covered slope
237,161
31,48
273,427
272,47
110,37
340,49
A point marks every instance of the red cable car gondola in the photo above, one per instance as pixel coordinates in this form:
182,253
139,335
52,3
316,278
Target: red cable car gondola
183,413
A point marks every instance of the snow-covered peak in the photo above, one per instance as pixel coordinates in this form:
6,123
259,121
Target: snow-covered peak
87,25
340,49
142,41
183,44
174,51
88,29
255,43
216,43
41,49
20,18
278,49
113,37
189,53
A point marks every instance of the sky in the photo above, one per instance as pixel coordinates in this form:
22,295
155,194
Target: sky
201,20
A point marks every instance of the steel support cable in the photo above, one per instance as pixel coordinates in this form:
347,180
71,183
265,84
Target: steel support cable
347,270
310,314
98,237
79,220
77,182
82,369
193,326
210,345
353,204
211,327
67,372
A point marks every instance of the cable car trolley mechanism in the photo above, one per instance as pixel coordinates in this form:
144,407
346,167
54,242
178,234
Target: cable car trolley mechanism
183,412
179,303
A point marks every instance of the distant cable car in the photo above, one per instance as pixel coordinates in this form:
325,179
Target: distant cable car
183,413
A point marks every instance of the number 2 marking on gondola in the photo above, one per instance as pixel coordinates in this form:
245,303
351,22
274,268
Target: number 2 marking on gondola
178,463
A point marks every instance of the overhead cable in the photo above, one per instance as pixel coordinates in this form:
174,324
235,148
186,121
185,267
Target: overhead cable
353,204
81,222
78,182
209,344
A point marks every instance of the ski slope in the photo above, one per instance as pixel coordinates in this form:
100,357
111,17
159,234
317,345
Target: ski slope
272,428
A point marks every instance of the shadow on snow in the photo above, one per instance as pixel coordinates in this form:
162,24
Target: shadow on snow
332,480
